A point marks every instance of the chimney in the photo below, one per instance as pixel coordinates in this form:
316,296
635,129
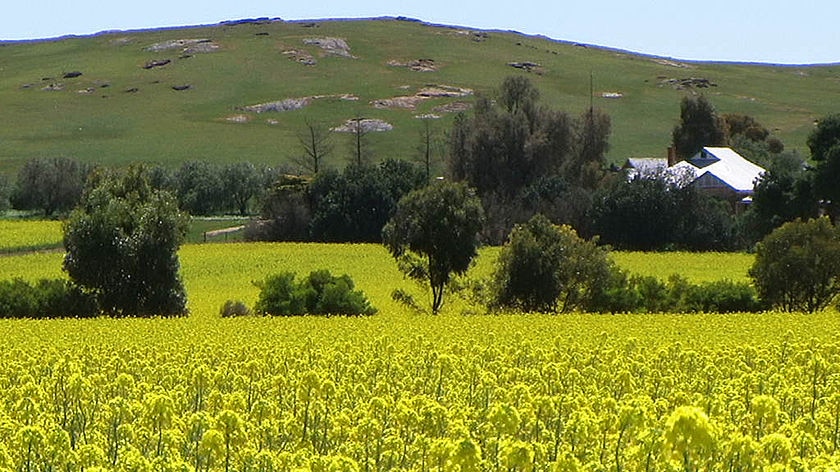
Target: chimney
672,156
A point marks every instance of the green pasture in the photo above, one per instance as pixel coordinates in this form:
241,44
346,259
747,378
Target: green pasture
213,229
117,112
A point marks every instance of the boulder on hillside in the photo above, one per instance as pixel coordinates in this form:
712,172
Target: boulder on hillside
288,104
367,125
528,67
300,56
156,63
406,103
417,65
454,107
291,104
187,46
332,46
687,83
443,91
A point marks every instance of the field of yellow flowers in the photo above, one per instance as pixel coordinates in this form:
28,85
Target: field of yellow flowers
405,391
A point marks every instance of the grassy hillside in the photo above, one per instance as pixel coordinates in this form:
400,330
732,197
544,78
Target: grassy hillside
117,111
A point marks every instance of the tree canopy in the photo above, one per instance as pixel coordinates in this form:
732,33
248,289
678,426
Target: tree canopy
782,194
437,228
824,143
50,184
655,212
797,266
509,146
122,244
354,205
699,126
547,268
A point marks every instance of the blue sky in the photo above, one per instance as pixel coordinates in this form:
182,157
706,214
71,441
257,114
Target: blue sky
772,31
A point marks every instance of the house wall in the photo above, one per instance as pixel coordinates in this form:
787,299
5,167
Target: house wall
711,185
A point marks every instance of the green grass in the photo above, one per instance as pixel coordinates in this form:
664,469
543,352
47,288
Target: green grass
199,227
157,124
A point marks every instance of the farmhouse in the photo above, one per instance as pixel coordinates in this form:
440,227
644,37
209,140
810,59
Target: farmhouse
719,171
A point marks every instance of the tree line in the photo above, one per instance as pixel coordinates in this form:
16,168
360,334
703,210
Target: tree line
54,186
549,268
517,173
521,156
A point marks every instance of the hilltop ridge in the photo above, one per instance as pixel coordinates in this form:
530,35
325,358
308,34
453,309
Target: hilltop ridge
243,89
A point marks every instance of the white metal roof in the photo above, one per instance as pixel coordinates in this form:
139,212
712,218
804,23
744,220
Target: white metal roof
729,167
645,166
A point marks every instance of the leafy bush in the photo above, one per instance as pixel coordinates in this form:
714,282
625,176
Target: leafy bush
545,267
654,212
618,295
797,266
320,293
122,245
234,308
648,294
720,296
46,299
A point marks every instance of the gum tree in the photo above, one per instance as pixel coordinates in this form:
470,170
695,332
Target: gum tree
434,234
122,245
797,266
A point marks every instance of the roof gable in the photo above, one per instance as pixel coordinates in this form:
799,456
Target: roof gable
729,167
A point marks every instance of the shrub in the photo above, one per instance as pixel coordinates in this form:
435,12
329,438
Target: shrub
620,295
653,293
545,267
797,266
720,296
234,308
122,245
320,293
62,298
17,299
650,295
46,299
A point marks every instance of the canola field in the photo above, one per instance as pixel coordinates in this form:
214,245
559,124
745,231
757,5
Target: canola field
19,236
461,391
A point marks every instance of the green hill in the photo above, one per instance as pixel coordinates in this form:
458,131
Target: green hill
124,106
